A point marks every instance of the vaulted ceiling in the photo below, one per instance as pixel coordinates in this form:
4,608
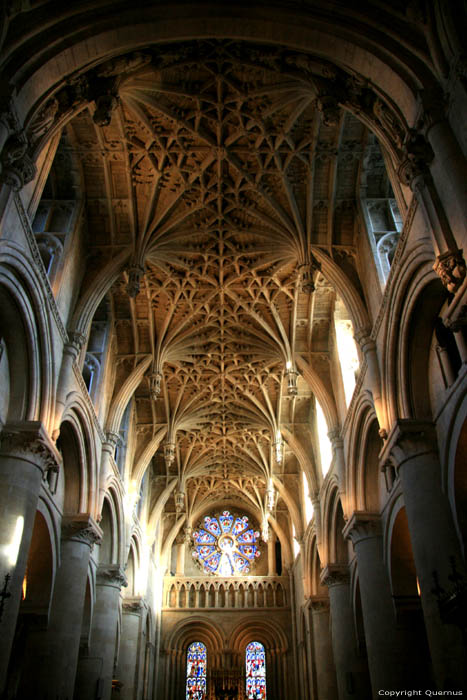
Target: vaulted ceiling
233,185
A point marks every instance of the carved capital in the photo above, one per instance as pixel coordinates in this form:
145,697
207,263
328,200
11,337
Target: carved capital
417,155
112,440
133,606
81,528
362,526
30,441
17,166
335,575
408,439
318,604
335,438
451,269
328,105
135,275
111,575
76,341
365,341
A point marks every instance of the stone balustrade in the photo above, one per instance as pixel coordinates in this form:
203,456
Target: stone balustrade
182,592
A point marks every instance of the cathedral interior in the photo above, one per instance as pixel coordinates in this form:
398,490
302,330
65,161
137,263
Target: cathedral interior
233,349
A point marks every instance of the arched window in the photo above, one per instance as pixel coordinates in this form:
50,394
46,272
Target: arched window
255,671
196,662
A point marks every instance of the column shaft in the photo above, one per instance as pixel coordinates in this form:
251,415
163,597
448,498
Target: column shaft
351,670
322,647
412,445
130,649
388,654
64,632
95,672
26,452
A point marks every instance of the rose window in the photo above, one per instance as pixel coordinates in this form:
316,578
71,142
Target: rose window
226,545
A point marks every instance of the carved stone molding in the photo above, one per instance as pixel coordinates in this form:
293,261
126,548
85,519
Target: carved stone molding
362,526
408,439
111,575
30,441
451,269
335,575
81,528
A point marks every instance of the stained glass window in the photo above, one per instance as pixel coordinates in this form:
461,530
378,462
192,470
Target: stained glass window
196,660
226,545
255,671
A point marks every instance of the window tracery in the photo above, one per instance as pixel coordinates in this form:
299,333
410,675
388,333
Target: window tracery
226,545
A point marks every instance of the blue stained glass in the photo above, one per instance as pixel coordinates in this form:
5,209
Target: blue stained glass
226,545
241,564
196,662
226,521
248,550
240,524
248,536
212,525
203,537
255,671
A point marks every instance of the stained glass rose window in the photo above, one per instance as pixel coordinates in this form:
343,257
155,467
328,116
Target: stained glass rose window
226,545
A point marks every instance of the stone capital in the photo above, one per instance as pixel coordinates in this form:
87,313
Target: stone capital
335,575
81,528
362,526
335,438
30,442
416,157
409,438
111,575
134,606
365,341
317,604
76,341
111,440
451,269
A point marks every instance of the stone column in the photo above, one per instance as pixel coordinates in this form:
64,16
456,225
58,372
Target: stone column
412,449
272,568
338,450
388,655
325,673
373,375
26,455
181,546
130,657
107,454
79,534
95,673
449,158
71,351
351,670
